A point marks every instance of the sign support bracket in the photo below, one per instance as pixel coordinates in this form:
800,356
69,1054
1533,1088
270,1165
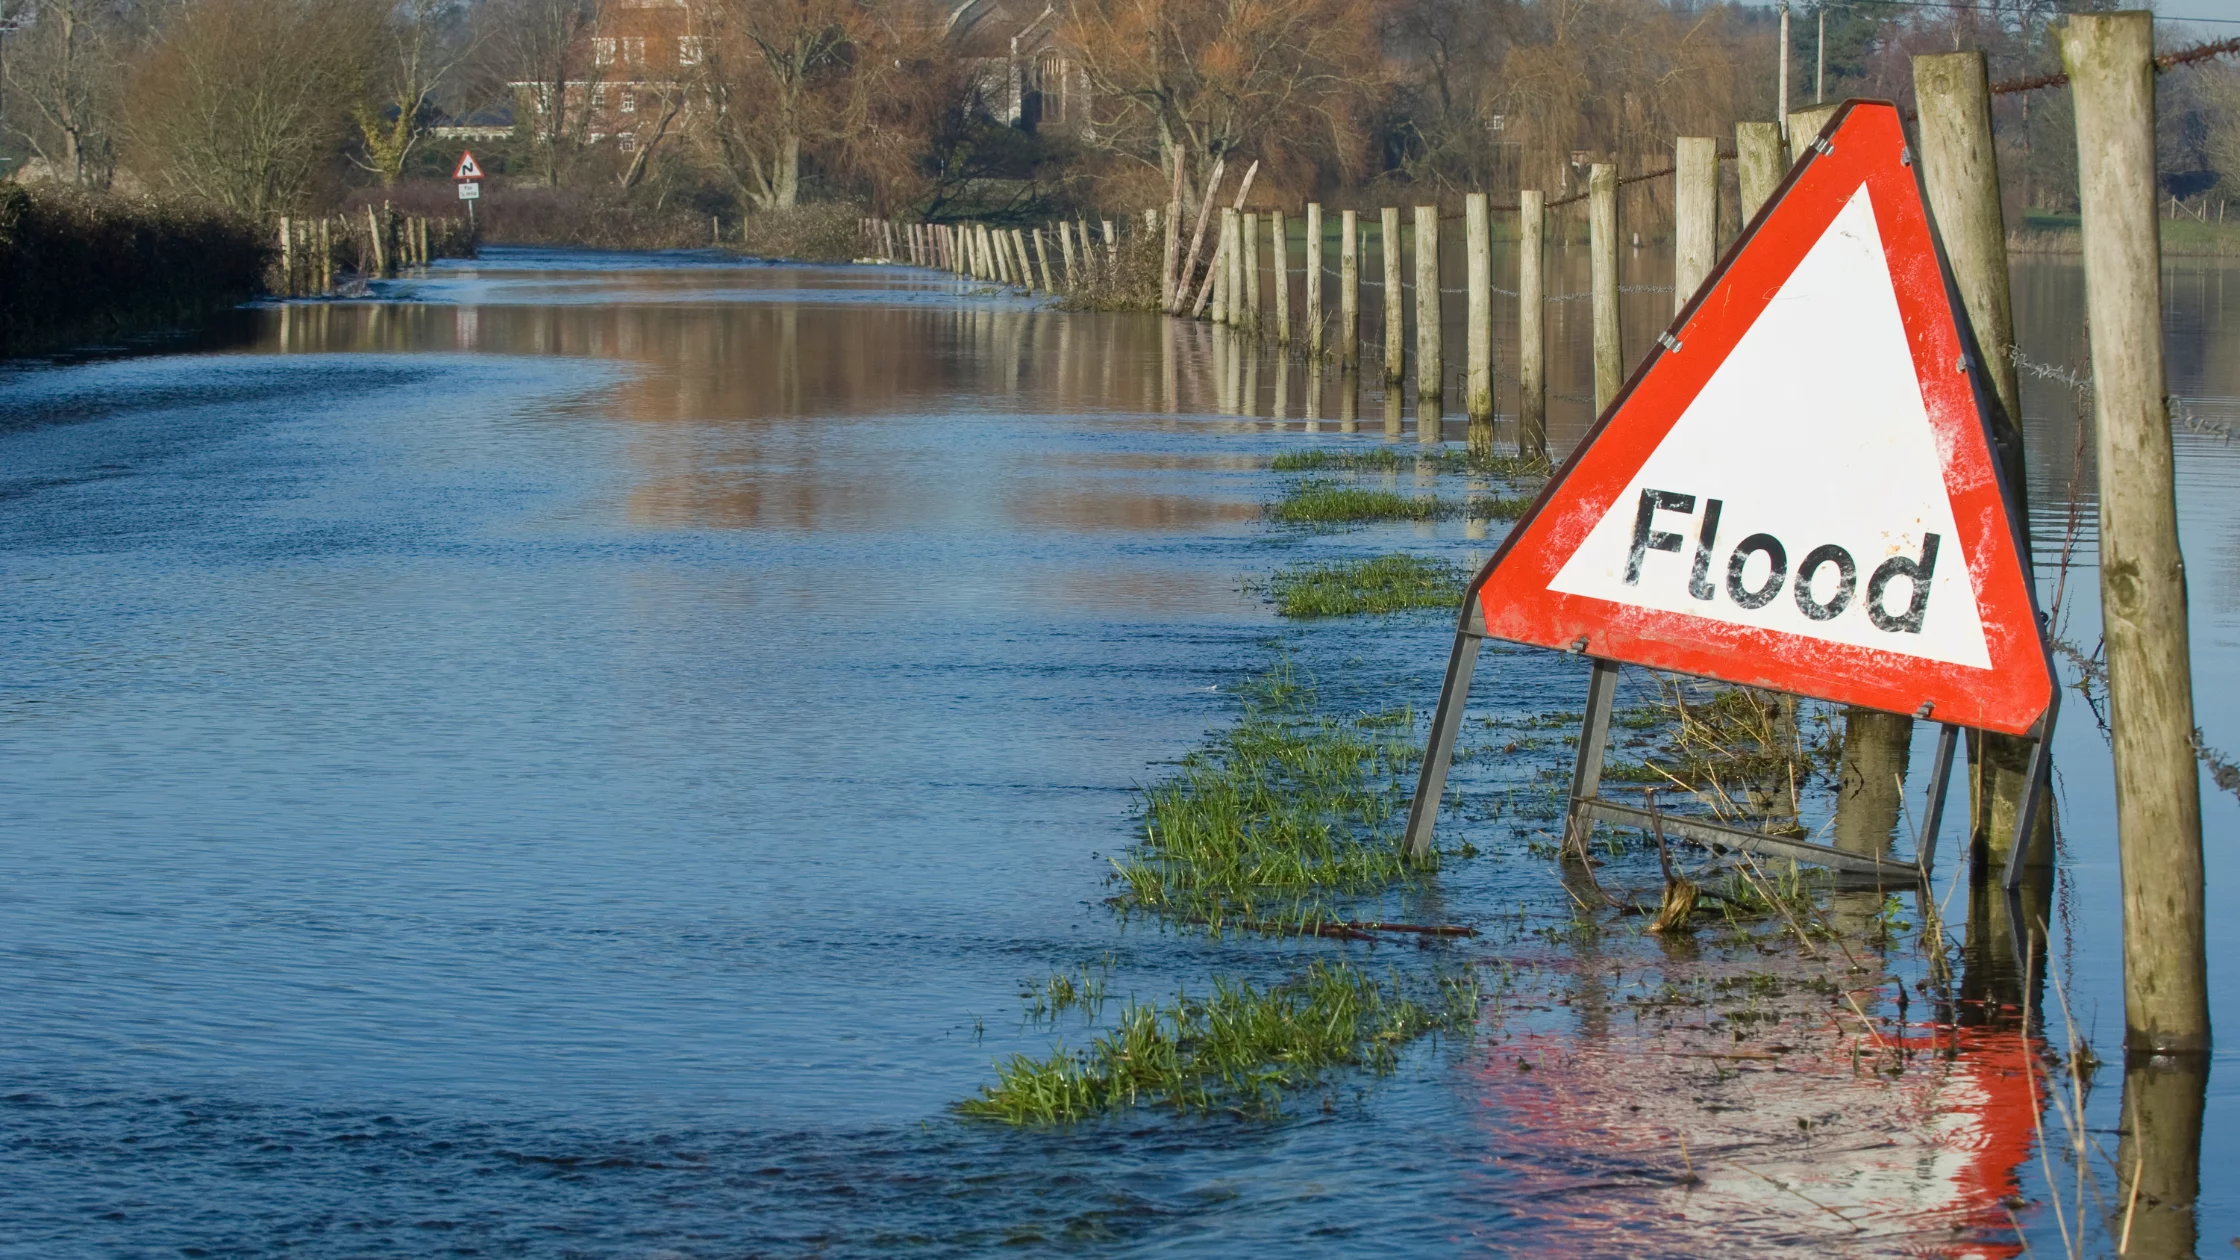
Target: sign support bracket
1446,726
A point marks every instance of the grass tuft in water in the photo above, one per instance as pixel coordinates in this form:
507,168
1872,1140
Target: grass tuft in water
1382,584
1239,1050
1313,502
1389,459
1281,813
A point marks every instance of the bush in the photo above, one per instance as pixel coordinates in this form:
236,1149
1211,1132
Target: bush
818,233
524,214
76,264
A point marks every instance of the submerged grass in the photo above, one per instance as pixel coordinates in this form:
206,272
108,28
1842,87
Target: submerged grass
1280,815
1315,501
1238,1050
1381,584
1389,459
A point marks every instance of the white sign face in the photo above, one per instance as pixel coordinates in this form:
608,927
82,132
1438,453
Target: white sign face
468,192
1802,491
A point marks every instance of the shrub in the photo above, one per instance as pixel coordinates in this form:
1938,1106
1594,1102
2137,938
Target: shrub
76,264
813,233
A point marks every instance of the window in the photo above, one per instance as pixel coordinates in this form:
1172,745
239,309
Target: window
634,49
629,102
688,50
602,51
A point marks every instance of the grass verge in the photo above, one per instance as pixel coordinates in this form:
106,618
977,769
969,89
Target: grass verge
1390,459
1238,1050
1314,501
1382,584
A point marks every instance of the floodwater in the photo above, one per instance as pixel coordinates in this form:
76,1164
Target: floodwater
578,755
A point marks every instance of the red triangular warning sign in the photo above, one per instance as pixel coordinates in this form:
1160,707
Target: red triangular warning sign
468,167
1797,490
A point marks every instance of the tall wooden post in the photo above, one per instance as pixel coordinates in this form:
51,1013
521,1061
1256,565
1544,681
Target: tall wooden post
2110,59
287,260
1250,260
1759,164
326,254
1314,282
1042,256
373,237
1804,128
1532,348
1395,296
1960,167
1431,359
1188,268
1477,231
1279,259
1349,289
1224,252
1602,248
1695,214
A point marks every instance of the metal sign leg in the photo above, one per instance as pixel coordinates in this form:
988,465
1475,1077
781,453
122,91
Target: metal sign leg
2041,772
1446,727
1932,817
1594,736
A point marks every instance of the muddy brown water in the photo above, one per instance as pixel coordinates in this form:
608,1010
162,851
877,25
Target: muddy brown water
578,754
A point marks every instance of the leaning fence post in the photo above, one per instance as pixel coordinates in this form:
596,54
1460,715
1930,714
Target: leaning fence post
1804,128
1314,282
1960,168
1478,238
1388,246
1431,359
1349,289
1532,348
1602,247
2110,60
1695,215
1042,256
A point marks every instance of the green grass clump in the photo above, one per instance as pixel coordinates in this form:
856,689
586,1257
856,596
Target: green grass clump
1239,1050
1283,812
1390,459
1314,502
1499,507
1383,584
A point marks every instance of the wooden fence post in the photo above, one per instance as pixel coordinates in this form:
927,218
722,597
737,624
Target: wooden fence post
1279,259
1532,346
1349,289
2110,59
373,238
1758,164
1477,225
1431,358
287,260
1804,128
1395,296
1042,256
1960,168
1249,258
1220,269
1197,238
1695,214
1111,246
1314,283
1602,247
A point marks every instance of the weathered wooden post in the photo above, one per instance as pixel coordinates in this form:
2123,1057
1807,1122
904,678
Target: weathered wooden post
1219,269
1431,359
1532,345
1249,260
1314,282
1042,256
1065,247
1804,128
1758,164
1349,290
326,254
1395,295
1477,224
1111,246
2110,60
1189,267
1695,215
1960,168
287,260
1279,259
373,236
1026,264
1602,249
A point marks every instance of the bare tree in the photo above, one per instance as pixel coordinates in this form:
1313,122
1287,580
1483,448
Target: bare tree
419,49
62,70
242,102
544,49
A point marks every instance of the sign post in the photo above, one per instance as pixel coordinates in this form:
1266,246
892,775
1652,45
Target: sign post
1797,490
469,175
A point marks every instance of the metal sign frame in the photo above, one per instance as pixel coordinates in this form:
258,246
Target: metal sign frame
1585,803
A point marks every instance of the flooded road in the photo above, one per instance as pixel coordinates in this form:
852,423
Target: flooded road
579,754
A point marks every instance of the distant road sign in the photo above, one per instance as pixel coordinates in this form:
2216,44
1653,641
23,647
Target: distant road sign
468,167
469,190
1797,490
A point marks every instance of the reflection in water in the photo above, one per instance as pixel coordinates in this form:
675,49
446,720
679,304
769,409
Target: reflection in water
2158,1158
